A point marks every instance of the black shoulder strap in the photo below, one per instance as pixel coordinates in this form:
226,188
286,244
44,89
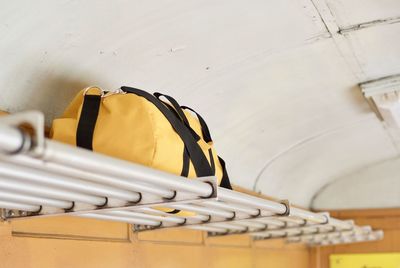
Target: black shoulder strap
87,121
199,160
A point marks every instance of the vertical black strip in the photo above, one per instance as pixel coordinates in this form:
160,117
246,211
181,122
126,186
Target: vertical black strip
211,160
185,163
186,158
225,182
184,173
87,121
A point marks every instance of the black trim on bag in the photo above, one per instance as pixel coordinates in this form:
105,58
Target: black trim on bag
185,163
225,182
174,107
174,104
200,162
87,121
186,158
204,128
210,154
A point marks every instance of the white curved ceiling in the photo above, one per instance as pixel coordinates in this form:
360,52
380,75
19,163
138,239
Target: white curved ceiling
276,80
368,188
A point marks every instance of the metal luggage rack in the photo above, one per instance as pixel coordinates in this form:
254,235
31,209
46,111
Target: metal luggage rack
40,177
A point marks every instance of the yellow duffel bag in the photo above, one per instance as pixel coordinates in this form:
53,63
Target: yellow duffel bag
134,125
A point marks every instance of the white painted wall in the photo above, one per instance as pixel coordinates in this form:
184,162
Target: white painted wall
278,89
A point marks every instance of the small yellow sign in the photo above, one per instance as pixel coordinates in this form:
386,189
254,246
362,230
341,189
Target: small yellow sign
375,260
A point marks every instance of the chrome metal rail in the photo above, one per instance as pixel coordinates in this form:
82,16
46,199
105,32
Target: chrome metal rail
40,177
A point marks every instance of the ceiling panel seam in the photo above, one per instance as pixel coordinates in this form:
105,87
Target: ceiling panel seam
342,44
345,47
369,24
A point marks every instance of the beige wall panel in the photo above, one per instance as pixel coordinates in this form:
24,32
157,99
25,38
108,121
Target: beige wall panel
230,240
234,257
172,235
43,250
170,255
278,244
281,258
24,252
72,228
76,242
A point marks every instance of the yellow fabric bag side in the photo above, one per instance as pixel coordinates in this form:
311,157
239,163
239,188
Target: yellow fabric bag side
130,127
124,129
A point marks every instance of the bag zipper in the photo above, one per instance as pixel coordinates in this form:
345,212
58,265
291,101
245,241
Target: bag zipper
110,93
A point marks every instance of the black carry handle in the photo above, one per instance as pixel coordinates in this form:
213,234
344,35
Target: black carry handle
174,104
199,160
176,109
204,128
225,182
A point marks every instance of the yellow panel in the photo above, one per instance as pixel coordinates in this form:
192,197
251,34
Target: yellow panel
71,227
381,260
